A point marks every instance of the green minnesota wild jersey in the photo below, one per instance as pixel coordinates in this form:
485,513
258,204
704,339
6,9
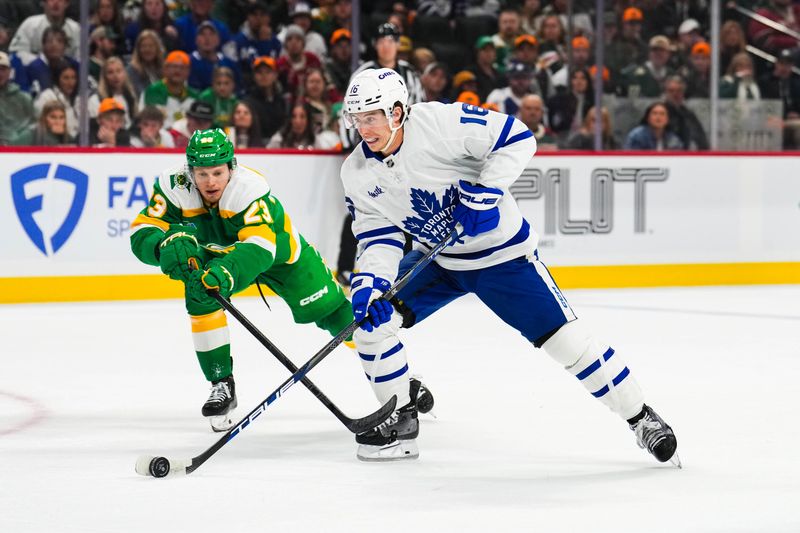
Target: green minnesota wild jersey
248,229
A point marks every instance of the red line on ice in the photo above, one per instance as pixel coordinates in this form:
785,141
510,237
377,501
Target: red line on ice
38,414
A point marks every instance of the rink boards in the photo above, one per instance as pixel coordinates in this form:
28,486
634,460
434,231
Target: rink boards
616,220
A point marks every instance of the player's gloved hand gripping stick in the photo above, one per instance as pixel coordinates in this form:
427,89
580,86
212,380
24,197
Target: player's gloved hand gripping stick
162,466
366,293
477,209
178,250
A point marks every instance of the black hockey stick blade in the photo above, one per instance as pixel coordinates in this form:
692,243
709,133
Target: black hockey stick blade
355,425
365,423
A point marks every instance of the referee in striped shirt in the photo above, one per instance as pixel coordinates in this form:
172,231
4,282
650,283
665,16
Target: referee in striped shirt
387,44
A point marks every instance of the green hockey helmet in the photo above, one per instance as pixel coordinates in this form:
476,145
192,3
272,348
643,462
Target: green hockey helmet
209,148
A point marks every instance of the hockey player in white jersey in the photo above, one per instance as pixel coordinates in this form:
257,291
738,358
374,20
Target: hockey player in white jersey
421,169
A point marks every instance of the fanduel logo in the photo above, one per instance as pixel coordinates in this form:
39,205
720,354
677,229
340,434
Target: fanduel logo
27,206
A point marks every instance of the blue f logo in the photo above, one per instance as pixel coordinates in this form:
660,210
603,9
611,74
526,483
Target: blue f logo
26,207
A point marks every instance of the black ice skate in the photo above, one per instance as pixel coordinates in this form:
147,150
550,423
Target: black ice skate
421,395
220,403
394,439
654,435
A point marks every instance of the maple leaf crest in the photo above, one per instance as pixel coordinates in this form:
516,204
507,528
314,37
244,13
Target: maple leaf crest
433,217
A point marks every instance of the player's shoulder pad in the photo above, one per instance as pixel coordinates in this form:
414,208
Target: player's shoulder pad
178,187
433,120
246,186
354,168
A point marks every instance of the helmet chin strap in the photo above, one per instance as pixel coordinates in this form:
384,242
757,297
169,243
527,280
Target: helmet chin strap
391,139
394,132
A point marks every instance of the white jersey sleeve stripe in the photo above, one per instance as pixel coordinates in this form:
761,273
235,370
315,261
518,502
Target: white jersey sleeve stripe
261,242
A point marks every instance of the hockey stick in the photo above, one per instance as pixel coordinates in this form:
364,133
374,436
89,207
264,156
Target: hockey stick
147,465
358,425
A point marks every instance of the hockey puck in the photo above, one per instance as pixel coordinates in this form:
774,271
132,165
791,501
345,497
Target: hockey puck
159,467
425,402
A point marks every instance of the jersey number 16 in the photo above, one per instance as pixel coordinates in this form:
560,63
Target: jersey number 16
469,109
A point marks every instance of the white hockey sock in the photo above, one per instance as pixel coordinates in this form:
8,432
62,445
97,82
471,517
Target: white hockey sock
597,367
384,360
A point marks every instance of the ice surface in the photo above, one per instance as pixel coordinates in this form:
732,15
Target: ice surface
518,444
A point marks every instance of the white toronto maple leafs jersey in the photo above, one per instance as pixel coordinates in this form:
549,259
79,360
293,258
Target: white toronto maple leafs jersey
415,189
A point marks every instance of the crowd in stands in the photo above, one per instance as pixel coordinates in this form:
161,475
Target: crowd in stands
273,73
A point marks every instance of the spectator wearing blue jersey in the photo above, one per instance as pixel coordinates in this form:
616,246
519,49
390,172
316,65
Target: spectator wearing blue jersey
19,74
207,57
520,83
40,70
189,24
255,38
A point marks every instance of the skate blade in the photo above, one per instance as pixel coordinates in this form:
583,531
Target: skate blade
676,460
397,451
220,423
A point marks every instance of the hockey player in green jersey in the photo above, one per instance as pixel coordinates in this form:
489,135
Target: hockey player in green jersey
215,225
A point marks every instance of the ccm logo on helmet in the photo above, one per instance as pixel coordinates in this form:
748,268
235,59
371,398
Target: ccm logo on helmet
383,75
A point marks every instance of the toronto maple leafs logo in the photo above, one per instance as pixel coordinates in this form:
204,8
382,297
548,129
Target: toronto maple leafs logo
433,218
